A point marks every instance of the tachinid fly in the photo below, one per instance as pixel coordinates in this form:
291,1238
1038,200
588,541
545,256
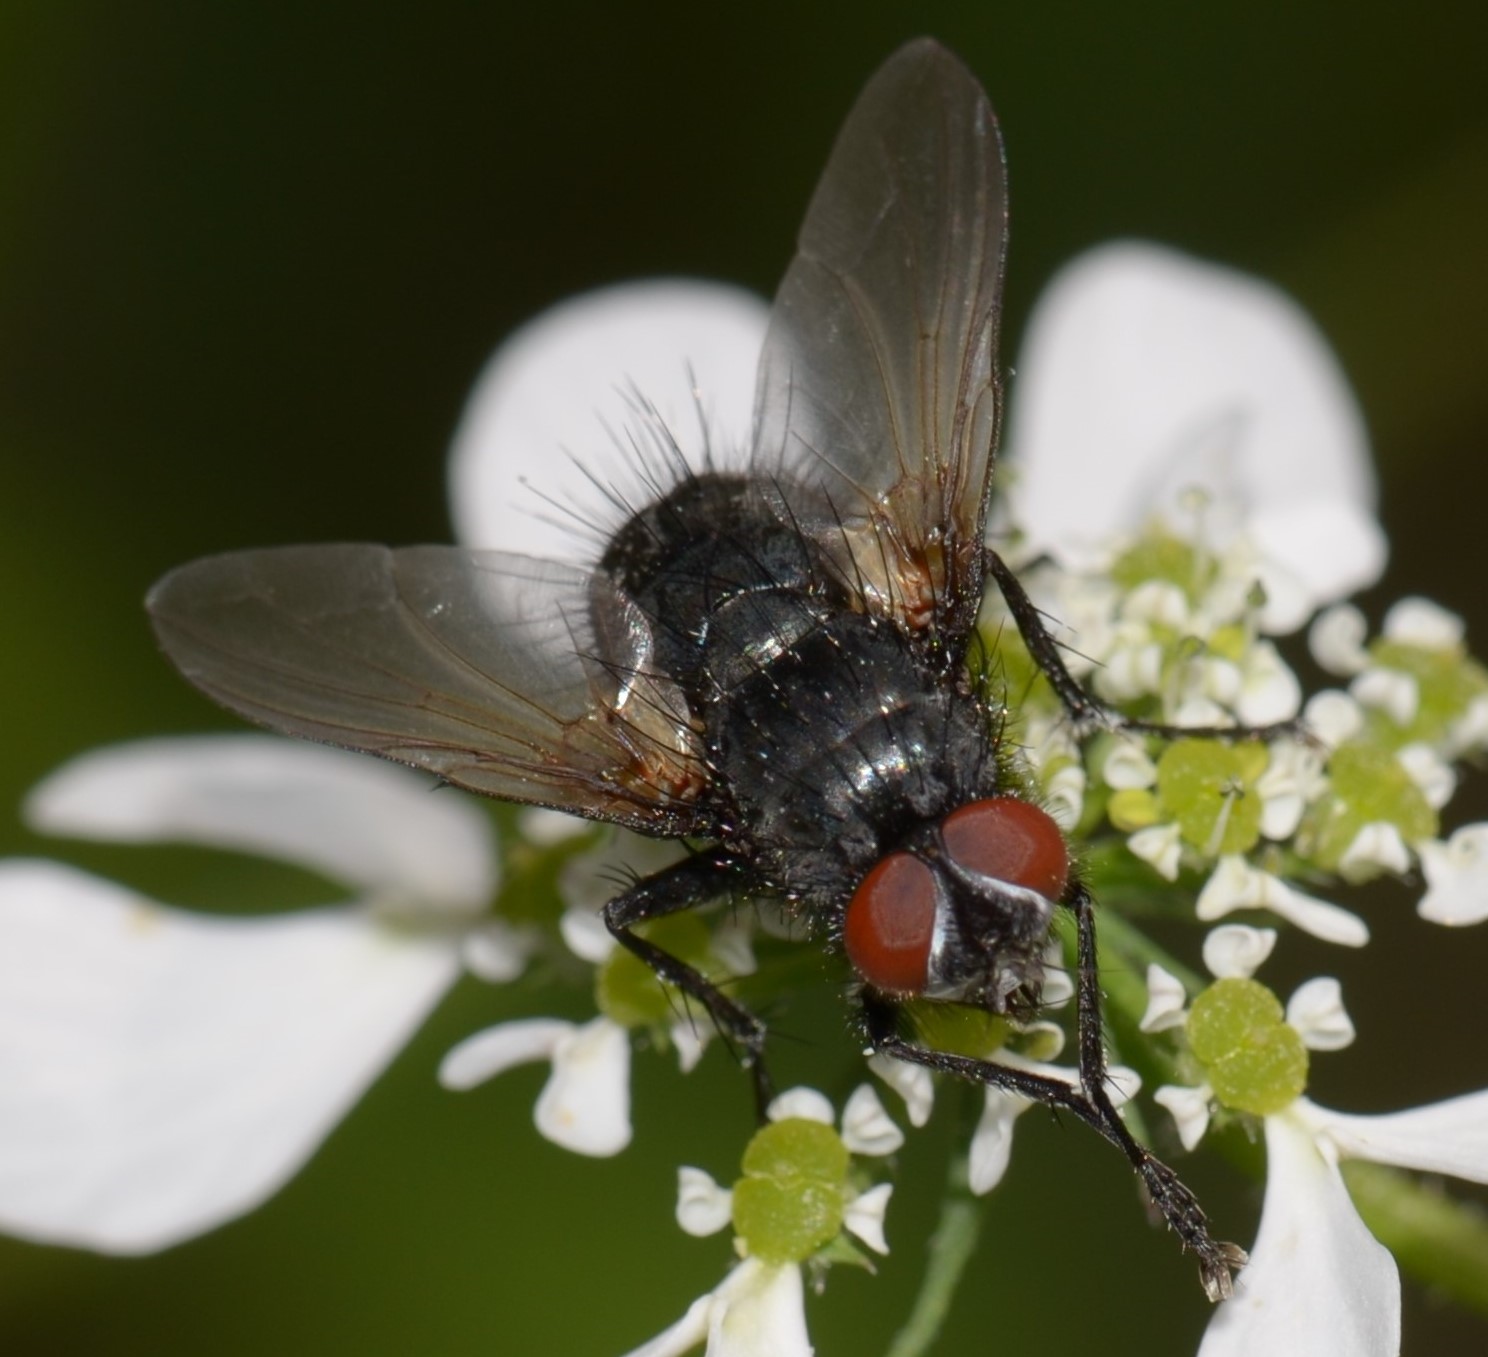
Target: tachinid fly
775,662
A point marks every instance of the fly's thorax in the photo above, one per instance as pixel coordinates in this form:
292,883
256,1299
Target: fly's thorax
710,540
839,743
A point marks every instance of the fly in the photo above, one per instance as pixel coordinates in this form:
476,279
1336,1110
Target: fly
779,662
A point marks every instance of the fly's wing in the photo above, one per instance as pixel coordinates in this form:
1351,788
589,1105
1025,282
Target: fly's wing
513,677
879,395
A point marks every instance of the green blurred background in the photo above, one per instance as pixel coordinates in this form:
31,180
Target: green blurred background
251,255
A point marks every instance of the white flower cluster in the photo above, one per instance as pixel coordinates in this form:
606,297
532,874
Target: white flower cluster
1190,479
1354,795
1318,1282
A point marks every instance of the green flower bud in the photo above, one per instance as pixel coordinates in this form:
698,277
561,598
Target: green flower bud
1448,681
1160,556
790,1201
1254,1061
1368,785
1207,787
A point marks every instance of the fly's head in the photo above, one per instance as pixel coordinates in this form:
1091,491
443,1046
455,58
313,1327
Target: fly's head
961,910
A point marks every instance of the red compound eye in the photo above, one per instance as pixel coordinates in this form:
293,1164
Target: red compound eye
1009,840
890,925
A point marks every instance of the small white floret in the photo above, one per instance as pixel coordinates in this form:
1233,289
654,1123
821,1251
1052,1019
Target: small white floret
1336,640
866,1127
913,1083
1377,847
1159,845
802,1102
1235,884
1233,951
703,1207
1456,877
1417,621
1391,691
1190,1110
1167,1001
864,1216
1317,1013
1333,717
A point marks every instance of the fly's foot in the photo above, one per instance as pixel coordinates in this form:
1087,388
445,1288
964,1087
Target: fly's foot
1218,1260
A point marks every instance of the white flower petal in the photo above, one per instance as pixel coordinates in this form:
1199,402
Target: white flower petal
1128,766
689,1040
866,1127
1417,621
584,934
1281,813
547,828
1377,847
548,429
1166,1001
1122,1084
732,946
911,1082
1236,885
1317,1282
1217,680
1313,553
1159,845
1064,796
1316,1011
1270,692
703,1207
494,1050
1130,671
1188,374
585,1106
1391,691
589,881
162,1072
1456,877
1040,1040
683,1336
1448,1137
358,820
1287,598
864,1216
1157,603
1198,710
1336,639
802,1102
992,1141
496,951
1333,716
1293,779
1189,1108
1430,772
759,1311
1469,734
1233,951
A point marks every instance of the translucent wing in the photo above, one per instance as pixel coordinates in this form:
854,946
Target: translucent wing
879,388
513,677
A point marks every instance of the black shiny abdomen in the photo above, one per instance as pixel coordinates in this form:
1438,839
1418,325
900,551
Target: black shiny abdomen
832,734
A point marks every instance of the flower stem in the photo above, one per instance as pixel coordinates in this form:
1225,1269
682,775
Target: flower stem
950,1249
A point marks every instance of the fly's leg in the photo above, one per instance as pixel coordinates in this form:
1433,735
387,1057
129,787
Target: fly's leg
1179,1207
1089,1102
1089,713
692,882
